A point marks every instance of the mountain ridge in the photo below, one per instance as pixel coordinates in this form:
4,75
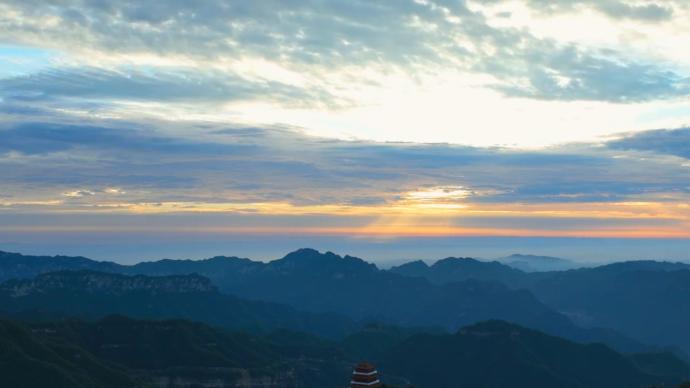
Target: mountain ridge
92,295
327,283
112,283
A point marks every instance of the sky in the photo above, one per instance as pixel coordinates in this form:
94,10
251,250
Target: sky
389,129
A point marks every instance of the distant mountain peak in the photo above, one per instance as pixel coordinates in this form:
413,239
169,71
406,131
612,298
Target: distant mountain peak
312,257
413,268
493,326
522,256
452,261
414,264
308,254
646,265
226,258
535,263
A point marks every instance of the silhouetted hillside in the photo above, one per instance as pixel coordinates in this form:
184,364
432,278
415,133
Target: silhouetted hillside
30,361
18,266
498,354
93,295
178,350
177,353
644,300
460,269
649,301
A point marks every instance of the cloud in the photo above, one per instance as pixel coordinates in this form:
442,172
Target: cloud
663,141
618,9
30,137
79,193
304,31
157,85
317,38
278,180
566,73
149,162
156,166
107,116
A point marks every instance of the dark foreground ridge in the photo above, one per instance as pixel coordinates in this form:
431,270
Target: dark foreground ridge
122,352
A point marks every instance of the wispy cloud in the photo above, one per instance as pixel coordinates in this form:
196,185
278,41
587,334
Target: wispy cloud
320,36
157,85
619,9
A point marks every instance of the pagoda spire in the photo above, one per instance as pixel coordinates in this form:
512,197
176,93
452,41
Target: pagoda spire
365,375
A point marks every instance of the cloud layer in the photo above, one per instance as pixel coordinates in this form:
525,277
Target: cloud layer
317,36
114,166
348,117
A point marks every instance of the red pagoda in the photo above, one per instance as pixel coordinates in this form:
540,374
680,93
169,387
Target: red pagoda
365,375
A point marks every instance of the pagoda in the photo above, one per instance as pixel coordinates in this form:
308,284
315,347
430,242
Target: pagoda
365,375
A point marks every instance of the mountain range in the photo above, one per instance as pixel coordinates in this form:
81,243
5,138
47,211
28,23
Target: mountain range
626,305
321,285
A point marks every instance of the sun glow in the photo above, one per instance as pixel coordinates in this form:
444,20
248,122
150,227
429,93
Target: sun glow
426,211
